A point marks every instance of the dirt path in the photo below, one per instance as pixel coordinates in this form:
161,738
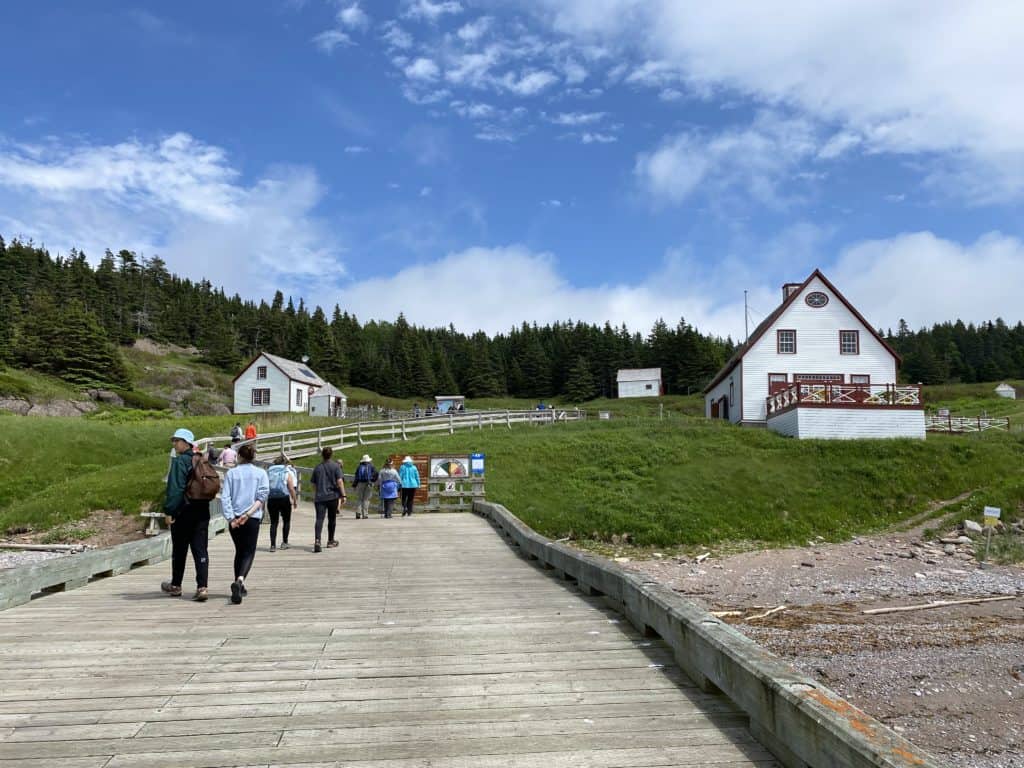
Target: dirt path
949,679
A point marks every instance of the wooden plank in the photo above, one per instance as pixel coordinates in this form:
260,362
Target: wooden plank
425,639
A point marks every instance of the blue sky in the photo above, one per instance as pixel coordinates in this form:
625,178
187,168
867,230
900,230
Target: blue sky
484,163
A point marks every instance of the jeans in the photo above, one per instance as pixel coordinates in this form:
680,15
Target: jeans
191,530
408,494
330,510
245,538
365,495
279,509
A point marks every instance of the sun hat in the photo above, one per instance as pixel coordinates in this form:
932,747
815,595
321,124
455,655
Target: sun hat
407,460
366,459
184,434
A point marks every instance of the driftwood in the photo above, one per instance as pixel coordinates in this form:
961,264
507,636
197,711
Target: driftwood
766,614
44,547
938,604
722,614
702,558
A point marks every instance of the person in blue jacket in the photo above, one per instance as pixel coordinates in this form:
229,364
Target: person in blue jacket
243,498
410,477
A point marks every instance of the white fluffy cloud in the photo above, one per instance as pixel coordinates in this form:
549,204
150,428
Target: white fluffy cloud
753,160
431,10
910,78
422,69
353,17
330,39
179,198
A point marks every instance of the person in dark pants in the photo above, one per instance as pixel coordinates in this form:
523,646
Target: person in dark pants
243,497
189,520
410,477
329,484
284,496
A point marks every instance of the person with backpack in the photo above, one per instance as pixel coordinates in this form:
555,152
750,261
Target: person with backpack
245,493
236,433
365,477
284,495
329,482
191,484
410,478
388,483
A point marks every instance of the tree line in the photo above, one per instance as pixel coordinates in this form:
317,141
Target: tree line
63,316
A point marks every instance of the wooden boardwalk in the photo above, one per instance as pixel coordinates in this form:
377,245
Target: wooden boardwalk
419,642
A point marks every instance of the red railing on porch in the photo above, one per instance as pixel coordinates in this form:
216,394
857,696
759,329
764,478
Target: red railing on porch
844,396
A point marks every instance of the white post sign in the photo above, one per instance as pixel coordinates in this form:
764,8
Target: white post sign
992,515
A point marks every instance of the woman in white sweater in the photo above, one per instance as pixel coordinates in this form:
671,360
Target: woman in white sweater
243,497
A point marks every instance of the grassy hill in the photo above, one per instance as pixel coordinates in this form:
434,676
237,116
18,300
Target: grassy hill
676,480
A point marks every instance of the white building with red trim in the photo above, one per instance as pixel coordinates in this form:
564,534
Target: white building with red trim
816,368
272,384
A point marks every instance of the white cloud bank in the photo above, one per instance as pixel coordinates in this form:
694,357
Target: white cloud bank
909,78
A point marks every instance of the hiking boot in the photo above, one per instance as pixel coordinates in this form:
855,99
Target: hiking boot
317,548
285,545
201,595
170,589
273,548
236,592
332,543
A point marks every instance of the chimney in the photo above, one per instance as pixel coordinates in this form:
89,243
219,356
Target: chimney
788,289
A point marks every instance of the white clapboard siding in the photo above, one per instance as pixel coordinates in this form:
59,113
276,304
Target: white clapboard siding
649,388
722,389
282,390
849,423
817,345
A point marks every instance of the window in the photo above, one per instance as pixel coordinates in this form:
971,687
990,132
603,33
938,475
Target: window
777,382
648,386
261,397
818,378
732,392
849,342
786,342
298,397
860,379
261,372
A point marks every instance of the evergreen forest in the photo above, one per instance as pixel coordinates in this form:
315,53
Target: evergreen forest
66,317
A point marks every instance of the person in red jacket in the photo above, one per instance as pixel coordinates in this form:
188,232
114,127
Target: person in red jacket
250,431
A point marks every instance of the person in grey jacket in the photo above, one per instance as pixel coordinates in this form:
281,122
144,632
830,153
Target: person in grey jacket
243,498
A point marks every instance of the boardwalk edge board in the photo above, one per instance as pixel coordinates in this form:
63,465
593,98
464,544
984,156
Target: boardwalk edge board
23,583
803,723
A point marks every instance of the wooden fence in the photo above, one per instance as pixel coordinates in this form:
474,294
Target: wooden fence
309,442
963,424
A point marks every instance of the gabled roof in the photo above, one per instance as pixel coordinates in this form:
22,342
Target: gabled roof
291,369
769,321
638,374
330,390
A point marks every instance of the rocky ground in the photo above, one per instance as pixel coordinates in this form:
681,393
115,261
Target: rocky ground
103,528
950,679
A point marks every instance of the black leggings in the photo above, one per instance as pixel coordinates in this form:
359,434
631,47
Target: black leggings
245,538
330,510
191,530
279,508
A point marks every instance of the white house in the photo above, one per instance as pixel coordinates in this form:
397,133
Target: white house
1005,390
639,382
328,401
816,368
271,384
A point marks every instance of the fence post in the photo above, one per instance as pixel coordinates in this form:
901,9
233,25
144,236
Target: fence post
404,436
359,433
319,439
451,423
282,443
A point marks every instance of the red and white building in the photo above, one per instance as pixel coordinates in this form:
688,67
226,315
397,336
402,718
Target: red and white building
272,384
815,368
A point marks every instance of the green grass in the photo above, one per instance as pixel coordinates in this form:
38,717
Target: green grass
40,387
975,400
701,483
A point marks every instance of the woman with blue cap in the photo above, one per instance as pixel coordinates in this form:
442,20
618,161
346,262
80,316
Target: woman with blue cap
189,518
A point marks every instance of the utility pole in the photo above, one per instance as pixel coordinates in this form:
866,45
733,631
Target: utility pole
746,319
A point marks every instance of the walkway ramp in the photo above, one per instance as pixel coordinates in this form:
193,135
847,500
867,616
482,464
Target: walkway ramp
419,642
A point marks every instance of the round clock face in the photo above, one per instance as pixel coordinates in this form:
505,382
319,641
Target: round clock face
816,299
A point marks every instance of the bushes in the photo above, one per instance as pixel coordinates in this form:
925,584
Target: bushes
142,401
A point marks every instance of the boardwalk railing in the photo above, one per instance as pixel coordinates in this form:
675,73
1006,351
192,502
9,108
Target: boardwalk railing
844,396
962,424
308,442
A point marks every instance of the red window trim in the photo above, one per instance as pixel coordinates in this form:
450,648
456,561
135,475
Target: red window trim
863,376
778,340
856,336
805,378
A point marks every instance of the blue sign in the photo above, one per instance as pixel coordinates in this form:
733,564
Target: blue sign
476,463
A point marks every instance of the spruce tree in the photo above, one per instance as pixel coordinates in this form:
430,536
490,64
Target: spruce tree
580,386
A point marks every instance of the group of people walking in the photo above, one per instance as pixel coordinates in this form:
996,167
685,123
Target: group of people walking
248,491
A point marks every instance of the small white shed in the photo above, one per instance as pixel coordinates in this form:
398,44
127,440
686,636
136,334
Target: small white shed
639,382
272,384
1005,390
328,401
